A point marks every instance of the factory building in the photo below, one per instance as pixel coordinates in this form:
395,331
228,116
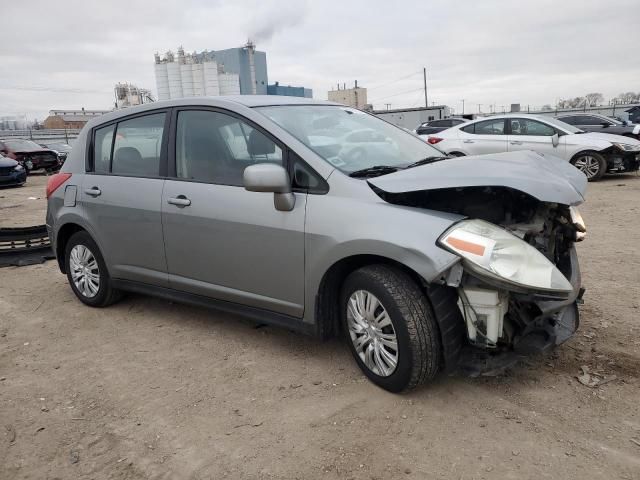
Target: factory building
129,95
70,118
288,90
235,71
355,97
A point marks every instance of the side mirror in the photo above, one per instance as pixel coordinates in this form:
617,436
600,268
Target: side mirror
605,124
555,140
268,177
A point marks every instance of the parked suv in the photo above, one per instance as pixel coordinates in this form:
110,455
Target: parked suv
249,204
592,153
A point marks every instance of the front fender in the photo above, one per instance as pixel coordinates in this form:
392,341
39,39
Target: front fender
406,235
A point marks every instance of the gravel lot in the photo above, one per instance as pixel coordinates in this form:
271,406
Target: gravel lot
151,389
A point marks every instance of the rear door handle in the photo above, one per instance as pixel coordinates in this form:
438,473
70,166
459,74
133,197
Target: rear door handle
179,201
468,141
516,142
93,191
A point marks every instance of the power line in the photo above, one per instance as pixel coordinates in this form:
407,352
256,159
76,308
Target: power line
393,81
396,94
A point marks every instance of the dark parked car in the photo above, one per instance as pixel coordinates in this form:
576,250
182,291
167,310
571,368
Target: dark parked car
61,148
11,173
30,155
435,126
593,122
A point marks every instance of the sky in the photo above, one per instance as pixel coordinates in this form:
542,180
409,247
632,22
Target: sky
69,54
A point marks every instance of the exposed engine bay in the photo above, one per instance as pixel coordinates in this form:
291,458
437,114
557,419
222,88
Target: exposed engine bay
500,318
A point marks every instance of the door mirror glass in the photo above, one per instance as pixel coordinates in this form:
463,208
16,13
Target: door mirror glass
267,177
555,139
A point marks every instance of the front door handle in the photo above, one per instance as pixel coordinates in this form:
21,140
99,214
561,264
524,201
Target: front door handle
516,142
179,201
469,141
93,191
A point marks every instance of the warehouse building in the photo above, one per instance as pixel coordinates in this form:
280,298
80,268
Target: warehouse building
70,119
412,117
355,97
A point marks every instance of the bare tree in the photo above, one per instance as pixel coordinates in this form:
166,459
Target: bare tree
594,99
628,97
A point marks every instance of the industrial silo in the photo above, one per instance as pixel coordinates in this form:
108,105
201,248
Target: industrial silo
162,81
175,80
211,81
186,74
229,83
197,72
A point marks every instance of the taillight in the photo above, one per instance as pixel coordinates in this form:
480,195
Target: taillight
434,140
55,181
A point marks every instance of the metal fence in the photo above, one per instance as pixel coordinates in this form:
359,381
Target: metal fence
44,136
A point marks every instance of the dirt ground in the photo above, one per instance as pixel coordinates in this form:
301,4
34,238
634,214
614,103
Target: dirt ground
24,206
147,389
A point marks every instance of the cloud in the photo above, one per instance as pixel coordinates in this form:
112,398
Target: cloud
69,54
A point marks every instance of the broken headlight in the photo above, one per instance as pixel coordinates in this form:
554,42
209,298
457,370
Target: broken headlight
626,147
491,252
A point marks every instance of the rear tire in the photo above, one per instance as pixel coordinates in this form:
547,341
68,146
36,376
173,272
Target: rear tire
385,290
592,164
87,273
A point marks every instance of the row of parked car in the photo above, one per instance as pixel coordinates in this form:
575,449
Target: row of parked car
18,157
595,144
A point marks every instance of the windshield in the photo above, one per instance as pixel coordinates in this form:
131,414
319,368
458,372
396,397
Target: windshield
22,145
349,139
560,124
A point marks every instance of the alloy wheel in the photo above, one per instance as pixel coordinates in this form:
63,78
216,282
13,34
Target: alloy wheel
84,271
372,333
588,165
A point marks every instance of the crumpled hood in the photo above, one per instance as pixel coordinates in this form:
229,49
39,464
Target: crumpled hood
544,177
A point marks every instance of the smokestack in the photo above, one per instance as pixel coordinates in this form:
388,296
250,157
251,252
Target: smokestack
251,49
356,83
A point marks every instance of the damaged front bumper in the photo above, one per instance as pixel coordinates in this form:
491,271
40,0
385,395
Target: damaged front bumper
532,325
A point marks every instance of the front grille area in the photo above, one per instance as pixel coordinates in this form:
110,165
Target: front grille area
5,171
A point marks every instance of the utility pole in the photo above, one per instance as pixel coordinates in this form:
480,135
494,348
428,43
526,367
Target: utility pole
479,107
424,73
388,105
463,106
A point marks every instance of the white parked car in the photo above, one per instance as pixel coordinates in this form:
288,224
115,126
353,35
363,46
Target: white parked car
593,153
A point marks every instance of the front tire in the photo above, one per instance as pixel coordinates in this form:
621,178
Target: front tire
87,273
390,327
592,164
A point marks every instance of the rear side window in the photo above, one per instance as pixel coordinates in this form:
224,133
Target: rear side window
488,127
136,149
102,149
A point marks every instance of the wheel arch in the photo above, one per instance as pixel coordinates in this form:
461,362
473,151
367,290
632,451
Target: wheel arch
62,238
442,299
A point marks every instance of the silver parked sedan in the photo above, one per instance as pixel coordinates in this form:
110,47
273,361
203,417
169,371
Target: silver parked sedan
265,206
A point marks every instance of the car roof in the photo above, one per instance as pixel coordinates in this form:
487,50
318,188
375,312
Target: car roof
580,114
222,101
513,115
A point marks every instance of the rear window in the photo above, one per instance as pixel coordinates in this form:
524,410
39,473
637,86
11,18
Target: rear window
131,147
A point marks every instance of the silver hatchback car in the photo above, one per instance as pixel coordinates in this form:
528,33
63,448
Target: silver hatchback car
327,220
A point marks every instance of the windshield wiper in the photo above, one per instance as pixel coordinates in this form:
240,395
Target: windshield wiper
374,171
425,161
